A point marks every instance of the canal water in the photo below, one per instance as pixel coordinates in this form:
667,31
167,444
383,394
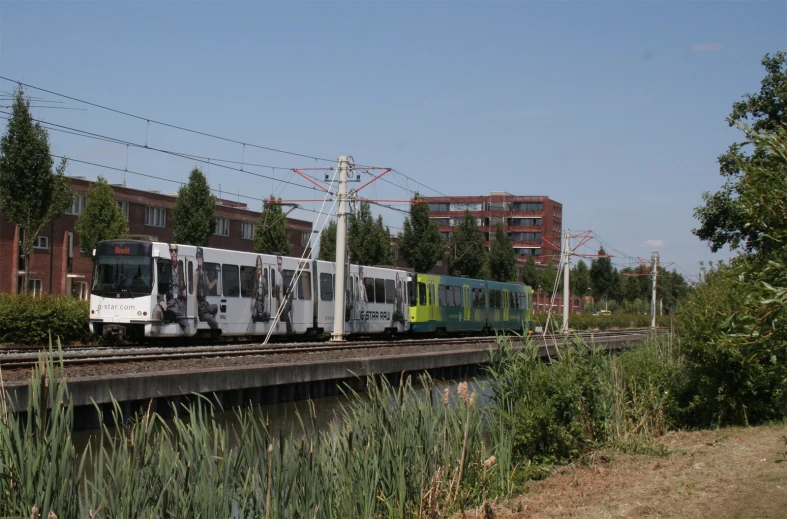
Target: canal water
295,418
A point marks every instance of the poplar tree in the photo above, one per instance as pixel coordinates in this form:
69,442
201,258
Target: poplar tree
31,194
328,242
602,276
270,236
420,243
502,257
530,273
102,219
195,211
467,254
369,240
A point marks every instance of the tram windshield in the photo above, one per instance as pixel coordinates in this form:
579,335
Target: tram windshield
122,271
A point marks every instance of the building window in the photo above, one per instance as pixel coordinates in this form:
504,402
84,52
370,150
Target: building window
527,206
470,206
41,242
528,251
79,290
78,205
442,221
305,239
524,222
222,227
123,207
445,235
34,287
438,207
155,216
525,236
246,230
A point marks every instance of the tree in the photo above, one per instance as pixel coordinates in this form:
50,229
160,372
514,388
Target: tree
31,195
722,219
195,211
369,241
602,276
530,273
547,277
420,243
580,279
328,242
467,253
502,257
270,236
101,219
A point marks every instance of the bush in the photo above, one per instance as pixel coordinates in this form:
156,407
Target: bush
735,344
28,320
561,409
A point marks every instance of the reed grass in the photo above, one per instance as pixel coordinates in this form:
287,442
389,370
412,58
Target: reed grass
401,453
404,451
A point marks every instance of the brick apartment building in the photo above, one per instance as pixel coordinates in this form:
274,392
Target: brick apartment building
534,223
57,266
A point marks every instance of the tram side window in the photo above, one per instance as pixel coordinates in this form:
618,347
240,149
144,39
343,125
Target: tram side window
326,287
481,298
422,294
413,293
390,291
191,277
441,296
379,290
368,285
247,281
513,300
305,285
230,280
286,282
212,271
164,271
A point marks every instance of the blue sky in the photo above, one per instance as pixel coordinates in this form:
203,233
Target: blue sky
614,109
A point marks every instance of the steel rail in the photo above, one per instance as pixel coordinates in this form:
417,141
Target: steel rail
147,355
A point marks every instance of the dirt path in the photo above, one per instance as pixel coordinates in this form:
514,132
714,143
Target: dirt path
725,474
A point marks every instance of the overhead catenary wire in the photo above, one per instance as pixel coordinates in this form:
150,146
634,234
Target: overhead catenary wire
161,123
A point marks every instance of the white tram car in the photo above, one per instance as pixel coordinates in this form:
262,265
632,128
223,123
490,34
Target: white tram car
154,289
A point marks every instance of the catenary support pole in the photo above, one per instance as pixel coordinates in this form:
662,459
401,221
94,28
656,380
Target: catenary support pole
345,163
566,270
654,274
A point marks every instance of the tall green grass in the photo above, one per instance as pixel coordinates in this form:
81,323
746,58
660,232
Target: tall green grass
404,452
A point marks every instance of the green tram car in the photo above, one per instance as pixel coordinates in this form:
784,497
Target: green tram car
448,304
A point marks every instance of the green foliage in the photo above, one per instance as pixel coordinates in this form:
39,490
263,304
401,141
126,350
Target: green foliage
31,195
605,280
732,323
530,273
369,241
29,320
270,235
723,220
502,257
101,219
467,253
195,211
583,398
380,458
328,242
547,277
580,279
420,243
39,465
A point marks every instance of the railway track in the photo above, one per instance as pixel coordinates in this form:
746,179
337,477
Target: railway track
26,358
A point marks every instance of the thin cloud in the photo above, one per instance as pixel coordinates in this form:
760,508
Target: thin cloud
707,47
653,243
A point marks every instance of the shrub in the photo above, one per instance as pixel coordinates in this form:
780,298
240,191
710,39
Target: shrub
735,344
29,320
565,407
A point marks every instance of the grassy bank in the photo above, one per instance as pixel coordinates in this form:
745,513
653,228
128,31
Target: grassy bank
403,453
604,322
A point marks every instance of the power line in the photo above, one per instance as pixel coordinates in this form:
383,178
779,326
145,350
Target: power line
83,133
168,125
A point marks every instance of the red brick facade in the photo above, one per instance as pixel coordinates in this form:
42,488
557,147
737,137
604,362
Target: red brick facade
534,223
60,272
